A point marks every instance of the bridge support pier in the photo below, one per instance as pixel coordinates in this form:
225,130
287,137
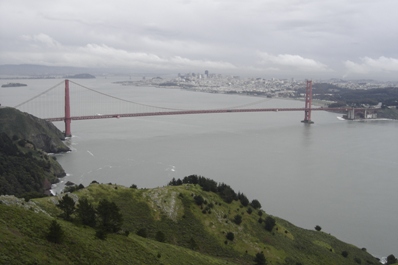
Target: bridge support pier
308,103
67,119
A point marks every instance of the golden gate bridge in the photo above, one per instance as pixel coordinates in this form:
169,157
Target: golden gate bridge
45,110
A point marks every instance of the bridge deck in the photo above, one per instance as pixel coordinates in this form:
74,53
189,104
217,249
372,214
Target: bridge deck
185,112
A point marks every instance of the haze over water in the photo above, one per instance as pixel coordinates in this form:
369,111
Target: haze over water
340,175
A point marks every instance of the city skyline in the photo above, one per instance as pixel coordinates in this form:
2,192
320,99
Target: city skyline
290,38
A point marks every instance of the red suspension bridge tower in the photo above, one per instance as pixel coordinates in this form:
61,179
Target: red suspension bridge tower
67,110
308,103
67,118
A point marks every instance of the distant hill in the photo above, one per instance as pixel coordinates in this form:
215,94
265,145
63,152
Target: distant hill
39,70
43,134
80,76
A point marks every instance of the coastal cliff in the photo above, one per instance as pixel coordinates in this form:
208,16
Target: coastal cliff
43,134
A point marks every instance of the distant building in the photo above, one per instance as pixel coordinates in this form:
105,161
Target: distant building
207,73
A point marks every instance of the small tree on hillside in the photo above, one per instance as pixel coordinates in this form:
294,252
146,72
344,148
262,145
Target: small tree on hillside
269,223
160,236
55,233
238,219
198,199
243,199
230,236
109,217
142,233
86,212
67,205
255,204
260,259
318,228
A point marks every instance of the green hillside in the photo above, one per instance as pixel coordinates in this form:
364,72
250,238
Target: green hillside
24,169
191,233
43,134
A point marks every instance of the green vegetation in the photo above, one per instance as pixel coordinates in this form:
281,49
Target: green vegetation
191,221
169,227
67,205
42,134
25,171
55,233
356,98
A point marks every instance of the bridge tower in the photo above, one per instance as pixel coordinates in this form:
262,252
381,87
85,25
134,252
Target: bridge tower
308,103
67,119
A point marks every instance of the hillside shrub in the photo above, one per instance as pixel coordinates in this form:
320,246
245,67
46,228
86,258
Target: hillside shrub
55,233
230,236
198,199
269,223
100,234
142,233
85,212
243,199
344,253
259,259
109,217
255,204
67,205
238,219
391,259
318,228
160,236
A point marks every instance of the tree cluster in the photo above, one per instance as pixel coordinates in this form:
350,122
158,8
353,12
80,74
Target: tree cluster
223,190
106,217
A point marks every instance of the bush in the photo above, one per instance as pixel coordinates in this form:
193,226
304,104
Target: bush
391,259
357,260
255,204
55,233
198,200
344,253
230,236
142,233
260,259
238,219
243,199
269,223
100,234
160,236
318,228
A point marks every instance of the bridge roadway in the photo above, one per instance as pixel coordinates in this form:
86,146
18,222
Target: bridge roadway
184,112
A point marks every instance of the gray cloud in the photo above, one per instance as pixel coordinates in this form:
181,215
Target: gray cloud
288,38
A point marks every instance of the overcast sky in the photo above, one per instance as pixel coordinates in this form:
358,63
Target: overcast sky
260,38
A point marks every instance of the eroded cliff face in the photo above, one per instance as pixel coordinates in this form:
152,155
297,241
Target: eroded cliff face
43,134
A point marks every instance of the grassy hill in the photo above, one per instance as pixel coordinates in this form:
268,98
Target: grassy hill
193,234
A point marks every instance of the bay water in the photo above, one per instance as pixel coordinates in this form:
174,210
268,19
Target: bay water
340,175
